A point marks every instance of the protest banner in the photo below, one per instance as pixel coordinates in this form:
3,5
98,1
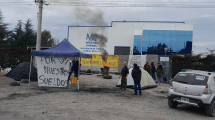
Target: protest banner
52,71
140,60
113,60
86,61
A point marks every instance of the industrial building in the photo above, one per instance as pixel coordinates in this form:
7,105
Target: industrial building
134,37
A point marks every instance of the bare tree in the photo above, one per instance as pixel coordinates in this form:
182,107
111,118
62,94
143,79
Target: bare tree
211,52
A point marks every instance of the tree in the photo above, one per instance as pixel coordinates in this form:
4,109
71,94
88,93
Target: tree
29,36
22,37
158,48
46,39
4,32
210,52
17,36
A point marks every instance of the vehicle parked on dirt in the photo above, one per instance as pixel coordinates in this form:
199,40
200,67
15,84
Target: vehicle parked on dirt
193,87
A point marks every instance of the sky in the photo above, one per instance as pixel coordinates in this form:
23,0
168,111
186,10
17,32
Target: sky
60,14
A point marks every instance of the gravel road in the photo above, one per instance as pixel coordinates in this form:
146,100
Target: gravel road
98,99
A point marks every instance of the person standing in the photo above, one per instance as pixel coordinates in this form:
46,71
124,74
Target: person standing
147,67
71,70
153,70
136,75
124,75
75,67
159,73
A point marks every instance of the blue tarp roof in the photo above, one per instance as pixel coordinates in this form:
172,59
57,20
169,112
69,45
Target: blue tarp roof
63,49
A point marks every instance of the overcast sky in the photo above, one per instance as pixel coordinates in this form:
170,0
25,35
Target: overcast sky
58,16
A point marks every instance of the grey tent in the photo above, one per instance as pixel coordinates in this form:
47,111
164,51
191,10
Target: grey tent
146,80
21,71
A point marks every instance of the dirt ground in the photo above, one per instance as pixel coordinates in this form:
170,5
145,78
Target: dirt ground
98,99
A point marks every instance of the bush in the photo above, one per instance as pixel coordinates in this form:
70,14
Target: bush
12,57
191,62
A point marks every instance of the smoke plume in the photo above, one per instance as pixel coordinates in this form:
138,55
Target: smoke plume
91,16
94,17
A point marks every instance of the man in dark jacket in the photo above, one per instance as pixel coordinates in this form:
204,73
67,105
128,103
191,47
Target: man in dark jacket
136,75
159,73
71,70
124,75
147,67
153,70
75,67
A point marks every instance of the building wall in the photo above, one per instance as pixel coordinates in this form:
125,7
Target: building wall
154,42
122,59
118,34
152,58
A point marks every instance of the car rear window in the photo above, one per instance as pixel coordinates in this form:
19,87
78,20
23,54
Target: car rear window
191,79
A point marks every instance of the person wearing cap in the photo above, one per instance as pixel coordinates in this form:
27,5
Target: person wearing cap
124,75
147,67
159,73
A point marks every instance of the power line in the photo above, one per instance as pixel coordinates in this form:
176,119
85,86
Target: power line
125,6
117,4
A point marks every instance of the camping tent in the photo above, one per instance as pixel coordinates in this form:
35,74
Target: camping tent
146,80
21,71
63,49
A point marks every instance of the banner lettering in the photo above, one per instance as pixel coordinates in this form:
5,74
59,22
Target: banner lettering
52,71
113,61
140,60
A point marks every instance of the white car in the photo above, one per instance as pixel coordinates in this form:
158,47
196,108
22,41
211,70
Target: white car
193,87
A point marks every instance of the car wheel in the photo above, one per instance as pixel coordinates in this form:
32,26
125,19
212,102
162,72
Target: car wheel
211,111
172,104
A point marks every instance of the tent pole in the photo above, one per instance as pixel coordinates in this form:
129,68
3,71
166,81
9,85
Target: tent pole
69,73
30,72
78,72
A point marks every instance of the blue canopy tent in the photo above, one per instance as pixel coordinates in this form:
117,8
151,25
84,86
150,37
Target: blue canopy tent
63,49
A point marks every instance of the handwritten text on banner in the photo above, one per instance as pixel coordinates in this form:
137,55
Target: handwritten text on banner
52,71
113,60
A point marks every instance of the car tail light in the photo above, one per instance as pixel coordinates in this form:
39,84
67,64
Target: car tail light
207,90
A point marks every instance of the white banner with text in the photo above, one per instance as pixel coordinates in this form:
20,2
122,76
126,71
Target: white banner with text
52,71
140,60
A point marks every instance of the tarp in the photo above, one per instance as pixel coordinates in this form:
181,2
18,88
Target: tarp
146,80
21,71
63,49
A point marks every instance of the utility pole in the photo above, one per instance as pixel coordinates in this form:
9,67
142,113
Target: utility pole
39,26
